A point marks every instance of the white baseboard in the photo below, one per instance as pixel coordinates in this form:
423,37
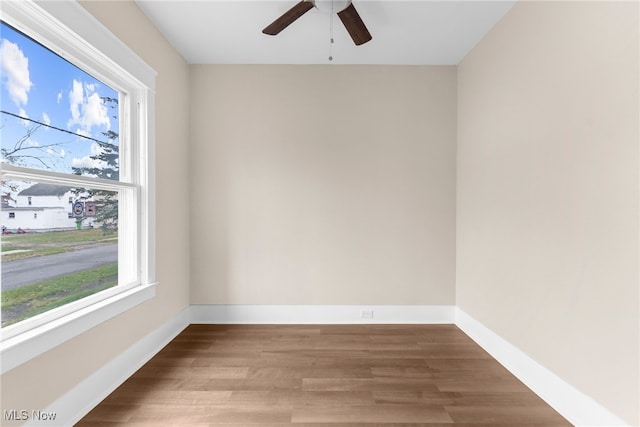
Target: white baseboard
77,402
575,406
321,314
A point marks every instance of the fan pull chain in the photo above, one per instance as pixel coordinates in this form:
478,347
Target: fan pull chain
331,33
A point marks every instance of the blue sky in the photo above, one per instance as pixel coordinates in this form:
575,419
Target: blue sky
38,84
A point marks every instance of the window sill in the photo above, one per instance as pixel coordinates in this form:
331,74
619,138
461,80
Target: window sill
19,349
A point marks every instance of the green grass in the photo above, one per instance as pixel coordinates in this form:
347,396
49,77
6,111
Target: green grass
58,237
53,242
27,301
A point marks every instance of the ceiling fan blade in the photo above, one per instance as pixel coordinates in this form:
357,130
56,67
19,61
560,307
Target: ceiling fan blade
288,18
354,25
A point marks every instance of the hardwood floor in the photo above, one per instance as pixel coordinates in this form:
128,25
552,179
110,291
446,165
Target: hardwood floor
320,376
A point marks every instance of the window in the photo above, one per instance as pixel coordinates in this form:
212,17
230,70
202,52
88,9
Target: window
82,139
76,136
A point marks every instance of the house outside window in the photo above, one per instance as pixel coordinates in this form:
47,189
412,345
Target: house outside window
86,143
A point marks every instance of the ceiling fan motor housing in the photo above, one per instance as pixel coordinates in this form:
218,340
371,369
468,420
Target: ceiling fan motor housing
331,6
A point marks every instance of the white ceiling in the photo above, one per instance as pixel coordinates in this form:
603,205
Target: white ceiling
404,32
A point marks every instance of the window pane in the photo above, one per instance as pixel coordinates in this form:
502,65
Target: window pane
55,252
54,115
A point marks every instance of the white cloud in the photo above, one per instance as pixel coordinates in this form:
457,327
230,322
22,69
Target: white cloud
76,96
15,71
87,161
95,149
50,151
62,153
59,97
95,112
82,132
23,113
31,143
87,108
46,119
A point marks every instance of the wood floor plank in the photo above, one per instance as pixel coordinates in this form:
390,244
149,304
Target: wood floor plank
410,372
241,415
322,376
190,371
504,415
167,397
372,414
302,398
480,385
367,384
232,384
309,372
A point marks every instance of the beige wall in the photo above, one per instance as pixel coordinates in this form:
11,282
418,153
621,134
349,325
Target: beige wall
323,184
41,381
547,230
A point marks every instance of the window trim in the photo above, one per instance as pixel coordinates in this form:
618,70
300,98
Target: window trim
74,33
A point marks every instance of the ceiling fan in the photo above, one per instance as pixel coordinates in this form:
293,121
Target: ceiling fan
345,10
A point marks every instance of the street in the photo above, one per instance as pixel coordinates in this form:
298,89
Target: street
32,270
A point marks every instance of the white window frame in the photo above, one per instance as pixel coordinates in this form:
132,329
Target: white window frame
73,33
